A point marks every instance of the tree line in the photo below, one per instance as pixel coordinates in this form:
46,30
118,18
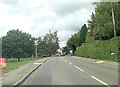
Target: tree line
76,40
104,24
18,44
101,24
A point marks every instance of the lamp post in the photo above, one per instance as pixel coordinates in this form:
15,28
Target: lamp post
36,43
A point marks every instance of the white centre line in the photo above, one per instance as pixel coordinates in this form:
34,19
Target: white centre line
79,69
99,80
70,63
1,78
66,60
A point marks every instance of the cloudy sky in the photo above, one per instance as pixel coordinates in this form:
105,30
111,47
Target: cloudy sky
37,17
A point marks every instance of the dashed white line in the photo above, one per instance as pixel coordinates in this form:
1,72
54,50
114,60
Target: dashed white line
1,78
91,76
66,60
99,80
79,69
70,63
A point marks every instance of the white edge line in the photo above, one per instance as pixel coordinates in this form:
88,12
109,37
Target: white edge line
99,80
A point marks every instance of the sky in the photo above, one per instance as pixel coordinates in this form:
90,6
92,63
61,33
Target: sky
37,17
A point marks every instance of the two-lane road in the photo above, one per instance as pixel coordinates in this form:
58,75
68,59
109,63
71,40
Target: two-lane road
69,70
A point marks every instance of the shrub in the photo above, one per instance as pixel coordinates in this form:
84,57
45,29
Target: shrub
101,50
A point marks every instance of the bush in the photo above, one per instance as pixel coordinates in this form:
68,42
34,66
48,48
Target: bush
100,50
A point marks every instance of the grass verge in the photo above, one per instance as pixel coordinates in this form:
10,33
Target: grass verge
13,64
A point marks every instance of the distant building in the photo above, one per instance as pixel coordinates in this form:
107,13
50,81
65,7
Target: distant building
59,51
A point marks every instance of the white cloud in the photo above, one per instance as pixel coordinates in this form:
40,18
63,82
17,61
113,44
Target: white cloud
37,17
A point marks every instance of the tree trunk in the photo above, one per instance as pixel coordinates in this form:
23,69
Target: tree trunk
18,59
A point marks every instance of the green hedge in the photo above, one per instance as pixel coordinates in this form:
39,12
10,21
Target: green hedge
100,50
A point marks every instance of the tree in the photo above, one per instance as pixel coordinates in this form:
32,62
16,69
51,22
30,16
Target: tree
72,43
66,50
83,33
103,21
91,24
17,44
51,44
77,39
40,47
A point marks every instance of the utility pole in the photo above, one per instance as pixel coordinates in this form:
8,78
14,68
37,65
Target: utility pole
113,23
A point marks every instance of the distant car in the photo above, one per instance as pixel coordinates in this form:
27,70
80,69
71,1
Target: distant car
57,55
62,54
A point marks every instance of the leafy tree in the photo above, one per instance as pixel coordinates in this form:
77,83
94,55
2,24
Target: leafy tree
91,24
17,44
51,44
83,33
102,21
72,43
66,50
40,47
77,39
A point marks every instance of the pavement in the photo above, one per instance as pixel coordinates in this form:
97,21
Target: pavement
20,74
69,70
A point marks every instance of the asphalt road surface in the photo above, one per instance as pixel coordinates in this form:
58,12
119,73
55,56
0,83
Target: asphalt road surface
67,70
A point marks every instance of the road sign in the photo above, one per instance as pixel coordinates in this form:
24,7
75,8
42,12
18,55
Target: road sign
112,53
2,63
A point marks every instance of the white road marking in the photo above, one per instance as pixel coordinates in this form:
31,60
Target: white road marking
37,63
79,69
70,63
99,80
1,78
100,62
66,60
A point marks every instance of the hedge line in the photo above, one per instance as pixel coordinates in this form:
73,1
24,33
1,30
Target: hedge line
100,50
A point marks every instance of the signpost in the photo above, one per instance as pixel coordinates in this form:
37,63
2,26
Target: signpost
36,43
2,63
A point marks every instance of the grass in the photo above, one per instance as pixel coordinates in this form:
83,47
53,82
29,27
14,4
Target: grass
12,64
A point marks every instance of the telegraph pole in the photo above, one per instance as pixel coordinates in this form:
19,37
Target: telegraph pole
113,23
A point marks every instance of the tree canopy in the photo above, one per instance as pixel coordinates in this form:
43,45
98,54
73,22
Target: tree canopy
17,44
51,44
40,47
101,23
77,39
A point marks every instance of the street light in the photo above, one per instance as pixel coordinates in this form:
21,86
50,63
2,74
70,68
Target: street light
36,43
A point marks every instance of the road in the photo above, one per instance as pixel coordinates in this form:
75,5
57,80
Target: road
67,70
